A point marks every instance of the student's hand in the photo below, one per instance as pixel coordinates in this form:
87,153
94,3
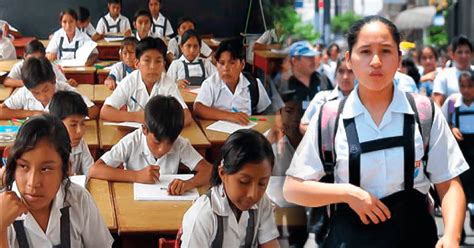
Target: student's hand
177,187
457,133
12,207
110,83
149,174
447,242
6,29
367,206
428,77
128,33
239,118
72,82
183,83
51,56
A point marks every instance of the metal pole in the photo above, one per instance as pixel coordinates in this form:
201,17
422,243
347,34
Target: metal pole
263,15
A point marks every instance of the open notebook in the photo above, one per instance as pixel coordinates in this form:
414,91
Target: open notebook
229,127
81,55
159,190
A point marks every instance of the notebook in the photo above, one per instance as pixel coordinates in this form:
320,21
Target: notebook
159,190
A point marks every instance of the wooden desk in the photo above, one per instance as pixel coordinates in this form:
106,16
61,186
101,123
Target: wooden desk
108,50
86,90
102,193
20,44
6,65
267,61
5,92
188,97
100,93
102,75
45,43
92,137
82,74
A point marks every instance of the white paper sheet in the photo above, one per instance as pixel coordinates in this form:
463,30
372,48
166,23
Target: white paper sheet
79,180
275,191
2,73
159,191
113,38
229,127
124,124
81,55
194,90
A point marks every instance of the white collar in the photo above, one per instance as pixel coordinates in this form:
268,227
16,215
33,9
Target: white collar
182,58
243,82
220,203
78,149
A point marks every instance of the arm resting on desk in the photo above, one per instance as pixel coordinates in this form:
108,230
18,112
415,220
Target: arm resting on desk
210,113
11,82
109,113
102,171
7,113
93,112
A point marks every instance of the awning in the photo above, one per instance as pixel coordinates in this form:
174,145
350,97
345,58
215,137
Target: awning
415,18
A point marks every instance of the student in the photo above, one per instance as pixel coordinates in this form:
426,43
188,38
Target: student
174,52
427,59
142,21
41,207
190,69
34,98
123,68
147,81
381,199
229,95
114,22
7,50
155,148
35,49
344,86
161,26
84,24
71,109
446,82
333,52
67,40
235,212
409,68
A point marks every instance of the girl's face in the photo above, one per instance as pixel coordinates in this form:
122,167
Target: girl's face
247,186
345,78
191,49
466,87
68,23
38,175
428,60
229,68
375,57
154,6
185,26
128,55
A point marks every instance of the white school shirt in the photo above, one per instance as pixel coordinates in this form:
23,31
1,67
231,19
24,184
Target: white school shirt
53,45
89,30
23,99
81,158
133,86
215,93
200,222
466,122
124,24
7,50
447,81
173,47
15,72
159,31
87,227
176,70
318,100
382,171
268,37
117,71
132,150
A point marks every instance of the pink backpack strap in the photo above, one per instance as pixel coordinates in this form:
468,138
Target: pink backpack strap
451,109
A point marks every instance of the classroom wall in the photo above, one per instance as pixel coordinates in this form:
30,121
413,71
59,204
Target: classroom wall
223,18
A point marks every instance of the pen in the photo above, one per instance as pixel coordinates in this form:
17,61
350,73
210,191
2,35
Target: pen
163,188
233,109
257,119
135,101
10,122
18,120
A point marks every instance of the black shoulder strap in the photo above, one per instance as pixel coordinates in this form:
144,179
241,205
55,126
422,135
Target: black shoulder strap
249,233
65,228
20,234
254,91
219,239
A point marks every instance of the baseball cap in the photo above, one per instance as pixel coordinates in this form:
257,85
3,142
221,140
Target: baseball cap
303,48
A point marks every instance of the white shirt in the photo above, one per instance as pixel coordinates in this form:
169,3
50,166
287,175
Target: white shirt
89,30
117,71
200,222
215,93
447,81
102,27
176,70
7,50
268,37
81,158
15,72
318,100
173,47
132,85
466,122
404,82
132,150
23,99
87,228
382,171
160,22
53,45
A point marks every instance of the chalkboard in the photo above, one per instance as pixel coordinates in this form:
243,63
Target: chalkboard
222,18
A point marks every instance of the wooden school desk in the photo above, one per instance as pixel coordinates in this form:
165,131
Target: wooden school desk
7,65
102,193
82,74
108,50
102,75
100,93
267,61
86,90
5,92
20,44
188,98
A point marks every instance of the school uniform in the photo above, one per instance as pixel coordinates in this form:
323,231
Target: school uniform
268,37
81,158
132,151
133,86
200,222
15,72
119,71
173,47
24,99
64,48
447,81
161,27
7,50
195,71
216,94
89,30
136,35
86,227
319,99
303,93
382,172
108,25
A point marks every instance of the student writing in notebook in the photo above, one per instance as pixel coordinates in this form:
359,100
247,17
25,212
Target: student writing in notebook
127,64
155,148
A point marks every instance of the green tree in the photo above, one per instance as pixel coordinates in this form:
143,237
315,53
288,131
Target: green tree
288,24
342,23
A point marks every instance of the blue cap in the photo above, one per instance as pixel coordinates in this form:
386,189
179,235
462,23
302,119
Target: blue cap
302,48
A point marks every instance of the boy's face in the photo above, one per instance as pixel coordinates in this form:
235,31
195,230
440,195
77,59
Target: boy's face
127,53
83,24
185,26
76,128
157,148
114,9
462,57
154,6
466,87
229,68
143,25
151,64
44,92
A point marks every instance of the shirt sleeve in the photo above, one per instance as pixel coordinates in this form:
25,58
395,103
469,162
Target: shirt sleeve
119,97
101,26
18,100
120,152
440,83
313,107
86,159
205,95
174,91
189,156
265,38
198,225
173,47
53,44
210,68
127,24
9,53
267,229
169,28
205,49
172,72
263,99
114,72
15,72
95,233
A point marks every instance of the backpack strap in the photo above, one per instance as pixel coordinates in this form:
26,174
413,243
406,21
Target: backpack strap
253,89
219,239
250,228
451,110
